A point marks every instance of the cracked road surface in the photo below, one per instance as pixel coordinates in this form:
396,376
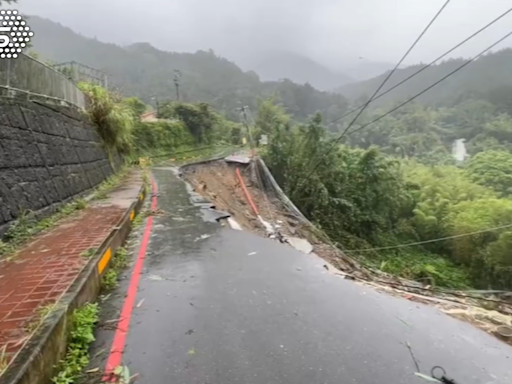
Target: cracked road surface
219,306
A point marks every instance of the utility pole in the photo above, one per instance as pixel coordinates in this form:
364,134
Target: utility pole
243,113
177,76
157,106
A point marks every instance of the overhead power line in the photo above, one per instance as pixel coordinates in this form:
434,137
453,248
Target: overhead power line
428,65
427,89
397,65
431,240
382,84
336,142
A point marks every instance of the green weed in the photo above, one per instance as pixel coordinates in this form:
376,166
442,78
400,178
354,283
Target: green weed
7,249
137,222
3,359
27,226
41,313
120,260
109,279
145,176
21,228
83,322
108,185
118,263
428,268
88,253
146,180
113,119
122,375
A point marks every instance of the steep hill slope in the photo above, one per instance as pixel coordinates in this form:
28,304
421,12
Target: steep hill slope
147,72
476,80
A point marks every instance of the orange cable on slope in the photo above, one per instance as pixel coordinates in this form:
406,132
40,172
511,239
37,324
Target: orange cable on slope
247,194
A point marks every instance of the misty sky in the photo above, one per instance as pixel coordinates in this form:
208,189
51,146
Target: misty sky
330,31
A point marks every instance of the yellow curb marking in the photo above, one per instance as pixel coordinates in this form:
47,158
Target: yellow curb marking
132,215
104,260
141,196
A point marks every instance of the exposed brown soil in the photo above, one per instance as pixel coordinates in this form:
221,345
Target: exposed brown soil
217,181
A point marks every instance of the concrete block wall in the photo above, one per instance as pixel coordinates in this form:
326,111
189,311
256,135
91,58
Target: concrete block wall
48,155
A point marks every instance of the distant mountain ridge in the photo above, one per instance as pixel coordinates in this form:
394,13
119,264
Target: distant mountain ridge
273,66
144,71
476,80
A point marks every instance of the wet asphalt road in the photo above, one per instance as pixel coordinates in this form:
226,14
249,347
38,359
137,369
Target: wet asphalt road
235,308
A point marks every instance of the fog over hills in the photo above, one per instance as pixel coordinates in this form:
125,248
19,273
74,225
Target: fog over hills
322,41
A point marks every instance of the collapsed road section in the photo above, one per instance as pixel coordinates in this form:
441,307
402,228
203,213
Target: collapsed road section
241,187
244,188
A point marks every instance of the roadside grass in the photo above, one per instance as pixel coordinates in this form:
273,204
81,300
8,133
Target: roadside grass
3,359
27,226
109,184
83,322
41,313
137,222
88,253
109,280
119,262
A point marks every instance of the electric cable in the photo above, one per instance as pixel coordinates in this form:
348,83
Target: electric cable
397,65
428,65
430,241
427,89
384,82
405,102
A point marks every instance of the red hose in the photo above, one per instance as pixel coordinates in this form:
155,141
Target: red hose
247,194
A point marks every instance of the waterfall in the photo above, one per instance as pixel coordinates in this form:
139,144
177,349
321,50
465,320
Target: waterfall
459,152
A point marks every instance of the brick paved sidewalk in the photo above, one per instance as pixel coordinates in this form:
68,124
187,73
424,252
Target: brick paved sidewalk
43,270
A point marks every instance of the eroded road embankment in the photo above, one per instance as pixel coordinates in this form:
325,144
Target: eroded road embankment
220,306
219,183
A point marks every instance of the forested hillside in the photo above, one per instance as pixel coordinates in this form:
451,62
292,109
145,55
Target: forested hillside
427,133
487,78
144,71
457,218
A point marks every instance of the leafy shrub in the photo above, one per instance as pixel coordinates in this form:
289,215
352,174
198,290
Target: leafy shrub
82,335
113,119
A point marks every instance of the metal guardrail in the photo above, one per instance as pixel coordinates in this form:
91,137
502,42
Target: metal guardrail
32,79
80,72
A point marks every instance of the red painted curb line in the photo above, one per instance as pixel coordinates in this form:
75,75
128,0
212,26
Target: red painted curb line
247,194
123,325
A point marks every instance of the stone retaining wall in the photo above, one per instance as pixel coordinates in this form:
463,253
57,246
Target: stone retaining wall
48,155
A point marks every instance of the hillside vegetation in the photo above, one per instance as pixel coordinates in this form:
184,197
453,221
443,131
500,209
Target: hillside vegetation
427,133
180,125
364,199
395,182
143,71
